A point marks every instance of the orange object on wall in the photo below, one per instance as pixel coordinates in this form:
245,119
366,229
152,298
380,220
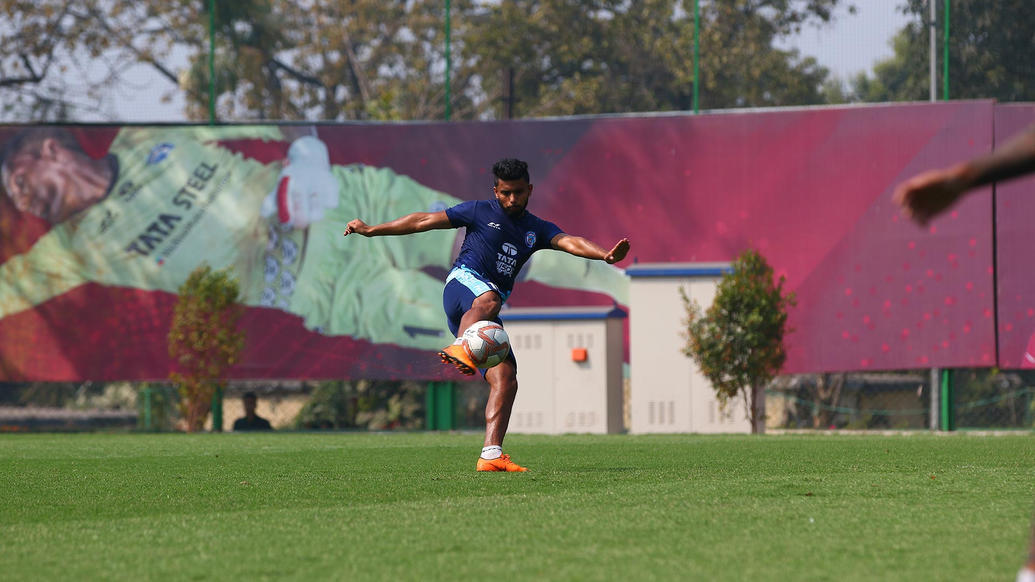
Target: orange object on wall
579,354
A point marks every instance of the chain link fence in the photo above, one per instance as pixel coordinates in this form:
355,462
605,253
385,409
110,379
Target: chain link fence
966,399
293,406
962,399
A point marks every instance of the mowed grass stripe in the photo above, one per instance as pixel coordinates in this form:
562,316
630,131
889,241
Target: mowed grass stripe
410,506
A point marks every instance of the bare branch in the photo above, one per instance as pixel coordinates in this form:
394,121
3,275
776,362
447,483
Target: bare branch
32,77
97,18
357,71
298,75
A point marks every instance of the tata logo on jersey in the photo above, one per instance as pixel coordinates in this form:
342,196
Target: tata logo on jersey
505,261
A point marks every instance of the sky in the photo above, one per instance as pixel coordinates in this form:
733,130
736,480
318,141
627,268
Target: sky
851,44
854,42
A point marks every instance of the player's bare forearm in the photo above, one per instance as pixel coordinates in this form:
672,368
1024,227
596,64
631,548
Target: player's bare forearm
409,224
581,247
1015,158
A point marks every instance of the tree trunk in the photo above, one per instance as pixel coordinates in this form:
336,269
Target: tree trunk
194,406
828,396
758,410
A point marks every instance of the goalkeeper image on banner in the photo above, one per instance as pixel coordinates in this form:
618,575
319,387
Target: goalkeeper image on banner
501,235
165,200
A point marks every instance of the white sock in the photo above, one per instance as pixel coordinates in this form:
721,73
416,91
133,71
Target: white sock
492,452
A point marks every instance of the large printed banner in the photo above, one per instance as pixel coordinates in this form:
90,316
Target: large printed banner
1015,234
99,226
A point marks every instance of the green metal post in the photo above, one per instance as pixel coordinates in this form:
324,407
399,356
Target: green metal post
217,410
945,56
211,62
429,407
697,50
447,406
449,63
440,406
146,392
948,408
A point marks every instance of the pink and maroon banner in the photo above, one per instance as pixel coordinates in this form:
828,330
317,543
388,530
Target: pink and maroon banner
811,189
1015,229
88,278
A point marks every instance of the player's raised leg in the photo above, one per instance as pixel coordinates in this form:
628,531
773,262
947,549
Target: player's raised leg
485,306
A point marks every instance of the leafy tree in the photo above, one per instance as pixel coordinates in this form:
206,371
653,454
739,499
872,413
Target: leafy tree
365,404
993,398
609,56
160,404
384,59
826,397
989,54
332,405
59,58
738,341
741,66
385,405
204,340
323,59
330,59
902,77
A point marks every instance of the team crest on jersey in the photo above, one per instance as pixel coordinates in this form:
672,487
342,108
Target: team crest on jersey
159,153
530,239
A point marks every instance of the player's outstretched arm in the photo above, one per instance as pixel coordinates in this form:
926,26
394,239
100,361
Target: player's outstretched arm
581,247
409,224
928,194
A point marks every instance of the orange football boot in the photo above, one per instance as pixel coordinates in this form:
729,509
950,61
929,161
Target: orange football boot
457,356
501,463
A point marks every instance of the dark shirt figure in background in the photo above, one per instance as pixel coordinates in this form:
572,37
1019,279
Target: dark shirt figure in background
250,420
501,235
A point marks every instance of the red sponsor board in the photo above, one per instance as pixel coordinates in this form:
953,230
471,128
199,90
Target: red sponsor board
1015,229
809,188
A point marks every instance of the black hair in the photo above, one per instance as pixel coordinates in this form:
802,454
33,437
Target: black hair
248,395
509,169
31,141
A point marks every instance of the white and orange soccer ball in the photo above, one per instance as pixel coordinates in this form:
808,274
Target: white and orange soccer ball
487,343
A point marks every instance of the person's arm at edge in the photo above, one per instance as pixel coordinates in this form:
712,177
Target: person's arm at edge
409,224
1015,158
929,193
581,247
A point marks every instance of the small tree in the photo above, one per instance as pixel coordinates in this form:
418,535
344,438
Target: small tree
204,340
738,341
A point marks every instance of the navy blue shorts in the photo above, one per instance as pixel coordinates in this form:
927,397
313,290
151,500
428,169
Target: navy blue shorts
462,287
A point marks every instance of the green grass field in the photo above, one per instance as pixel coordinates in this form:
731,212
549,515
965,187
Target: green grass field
411,507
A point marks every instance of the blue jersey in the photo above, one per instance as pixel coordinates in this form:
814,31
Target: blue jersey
496,246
